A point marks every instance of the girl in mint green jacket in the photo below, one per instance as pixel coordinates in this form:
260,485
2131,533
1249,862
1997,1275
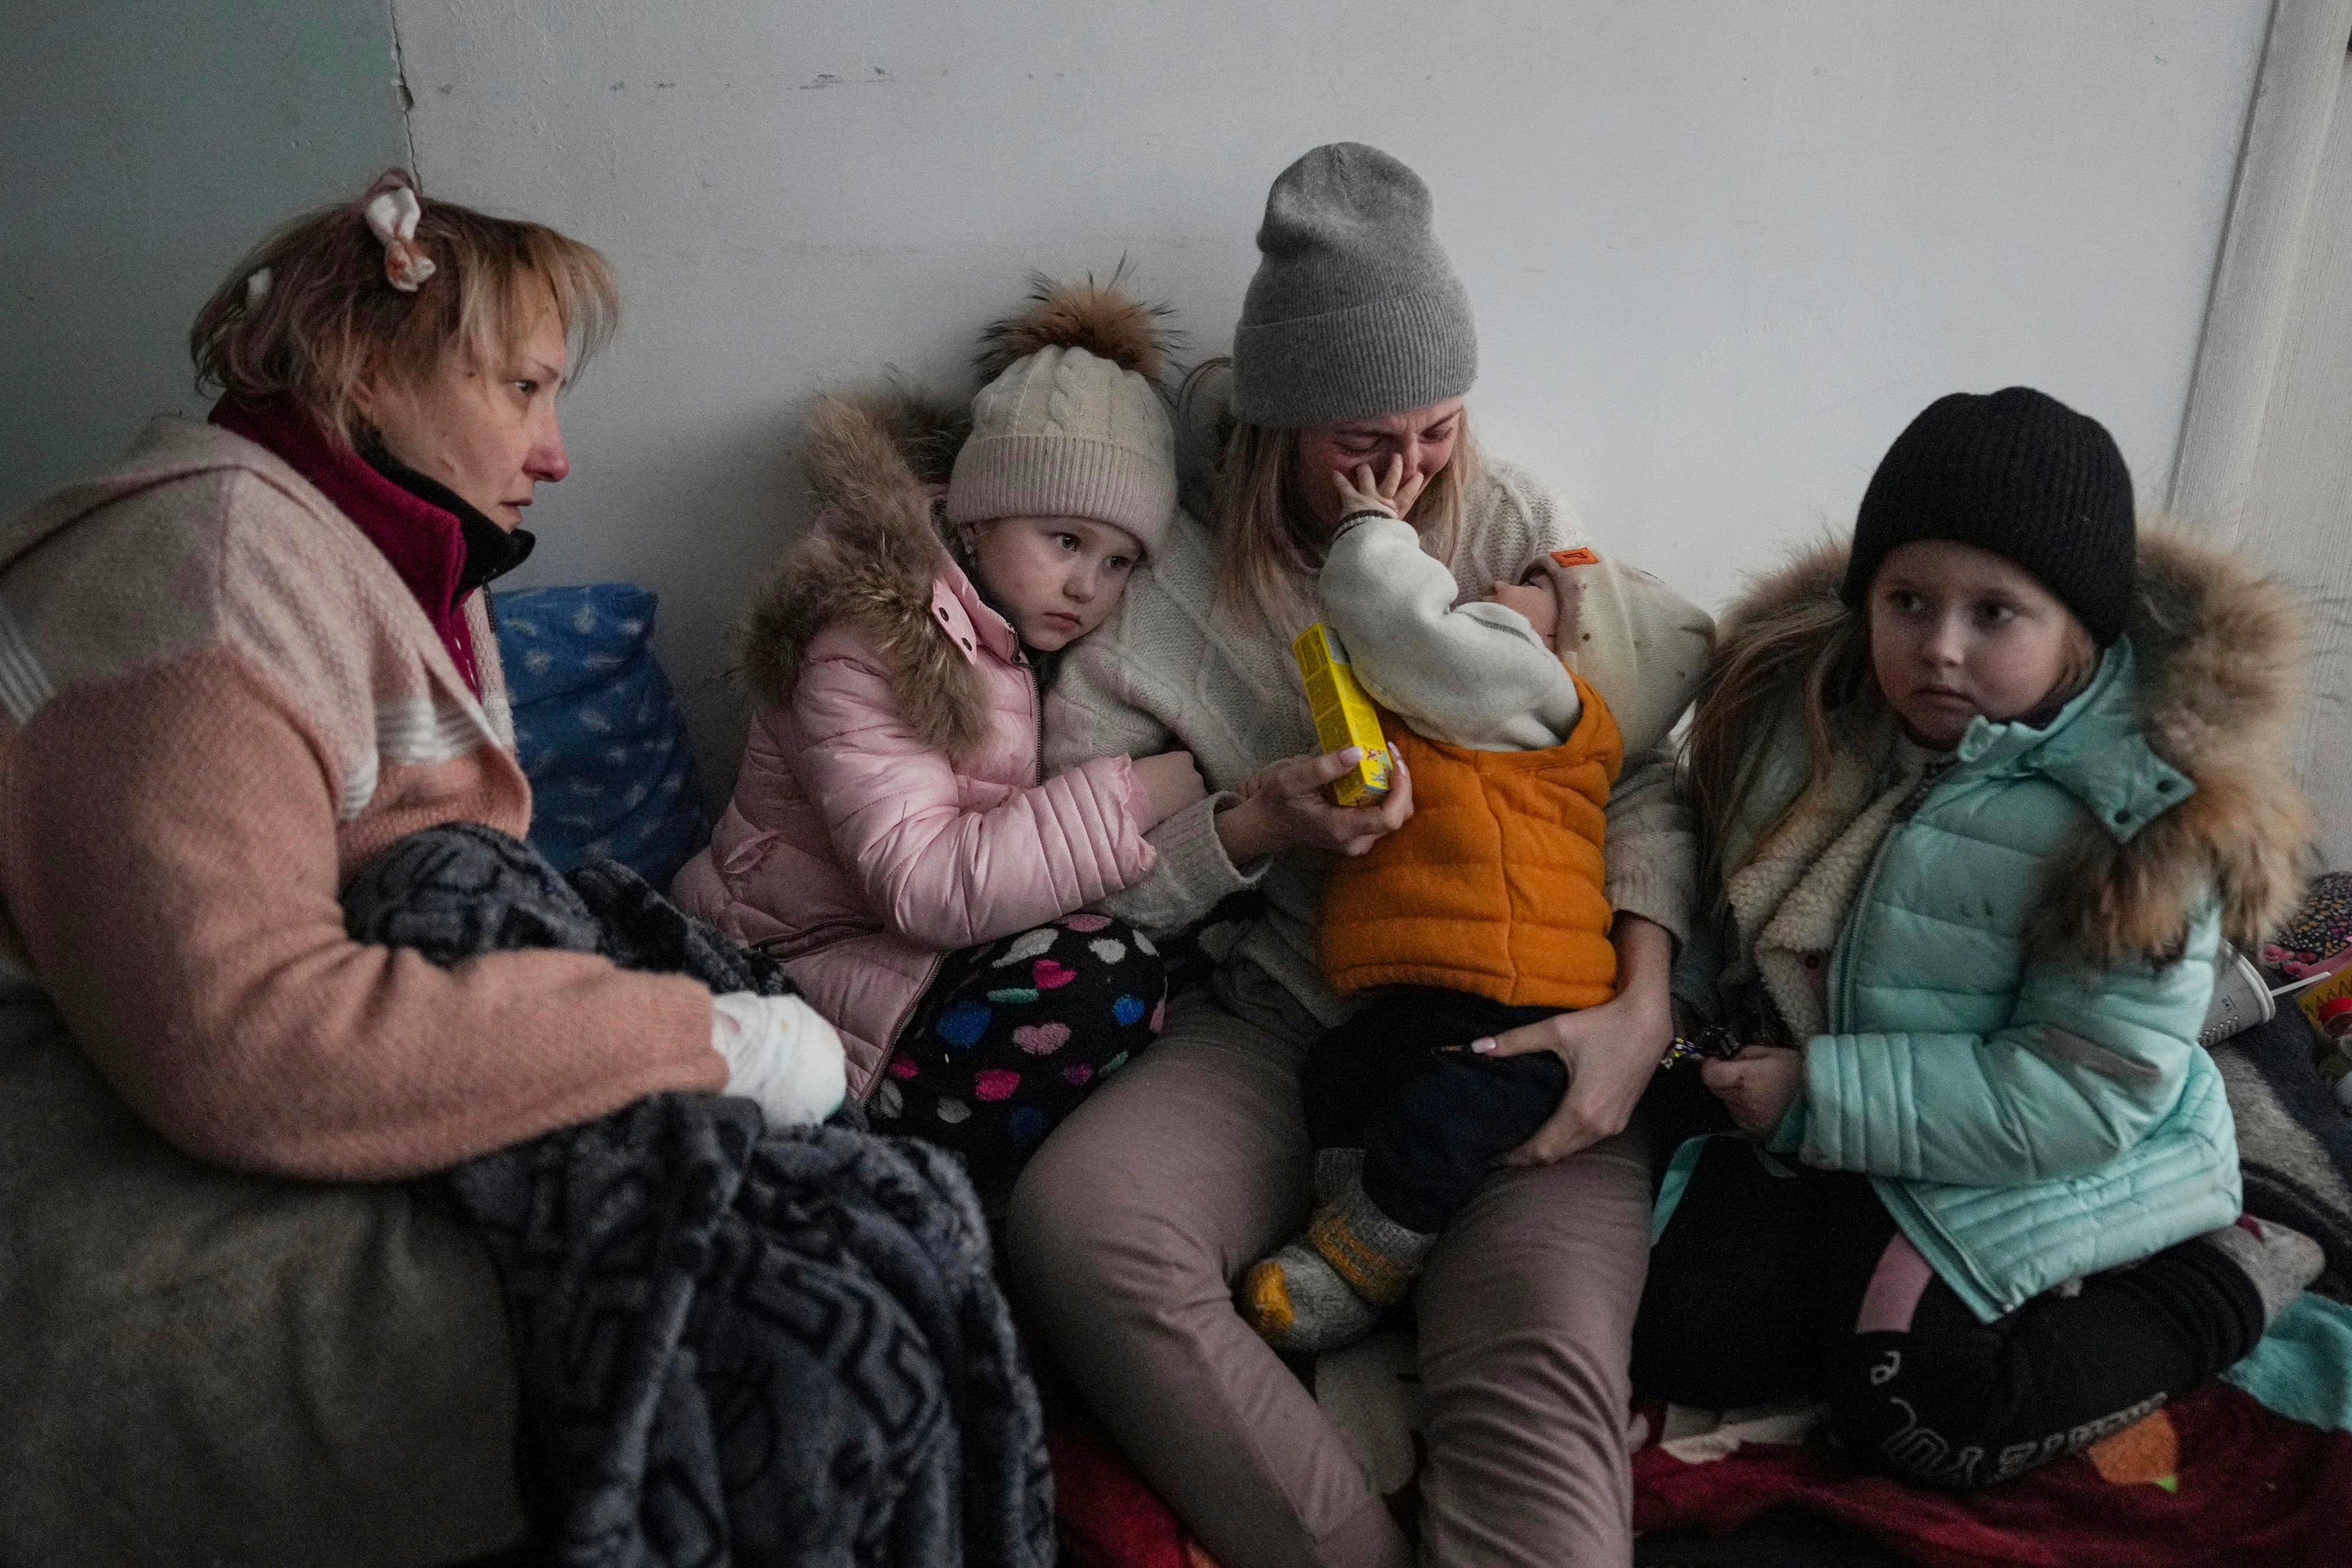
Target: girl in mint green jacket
1984,792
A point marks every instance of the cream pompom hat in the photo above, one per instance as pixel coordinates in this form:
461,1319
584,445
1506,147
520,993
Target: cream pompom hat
1073,421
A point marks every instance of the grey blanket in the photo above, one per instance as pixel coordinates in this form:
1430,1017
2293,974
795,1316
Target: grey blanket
736,1346
2294,1142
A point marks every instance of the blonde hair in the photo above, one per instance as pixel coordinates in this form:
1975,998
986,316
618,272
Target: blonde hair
1814,652
1269,538
307,314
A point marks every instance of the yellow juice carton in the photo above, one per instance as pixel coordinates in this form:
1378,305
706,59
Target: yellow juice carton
1344,715
2317,998
2328,1006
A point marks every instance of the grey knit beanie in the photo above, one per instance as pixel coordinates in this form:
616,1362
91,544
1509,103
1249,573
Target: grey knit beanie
1073,424
1354,310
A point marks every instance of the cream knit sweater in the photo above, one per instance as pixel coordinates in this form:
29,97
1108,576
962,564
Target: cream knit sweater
1171,670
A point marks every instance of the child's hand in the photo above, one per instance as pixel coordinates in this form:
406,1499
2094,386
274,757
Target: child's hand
1758,1085
1391,492
1171,782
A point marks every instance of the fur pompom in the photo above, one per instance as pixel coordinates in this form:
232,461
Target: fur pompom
1101,318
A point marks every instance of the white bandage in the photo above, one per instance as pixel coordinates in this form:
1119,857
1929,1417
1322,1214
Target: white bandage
781,1055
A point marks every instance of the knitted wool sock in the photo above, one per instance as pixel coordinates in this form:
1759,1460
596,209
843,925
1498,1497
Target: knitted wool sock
1336,1170
1324,1289
2280,1261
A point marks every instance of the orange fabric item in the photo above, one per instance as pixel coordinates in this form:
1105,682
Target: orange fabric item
1495,885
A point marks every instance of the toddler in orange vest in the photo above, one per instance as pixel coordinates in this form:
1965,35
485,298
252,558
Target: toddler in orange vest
1485,912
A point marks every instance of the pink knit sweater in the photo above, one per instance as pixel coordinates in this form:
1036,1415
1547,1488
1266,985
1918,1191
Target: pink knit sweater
216,701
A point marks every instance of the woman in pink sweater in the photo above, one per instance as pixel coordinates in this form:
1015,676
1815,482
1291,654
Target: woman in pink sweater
234,668
892,835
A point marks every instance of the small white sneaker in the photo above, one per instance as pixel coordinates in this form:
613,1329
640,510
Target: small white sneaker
2242,999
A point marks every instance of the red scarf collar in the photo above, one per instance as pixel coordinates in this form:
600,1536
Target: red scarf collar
424,543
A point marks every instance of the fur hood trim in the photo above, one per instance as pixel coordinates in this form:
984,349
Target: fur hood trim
875,466
2223,677
1103,319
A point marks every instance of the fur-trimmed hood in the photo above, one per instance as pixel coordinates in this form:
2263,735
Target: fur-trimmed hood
873,562
890,808
2221,679
880,560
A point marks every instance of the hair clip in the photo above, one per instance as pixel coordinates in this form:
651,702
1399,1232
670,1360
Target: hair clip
392,217
257,288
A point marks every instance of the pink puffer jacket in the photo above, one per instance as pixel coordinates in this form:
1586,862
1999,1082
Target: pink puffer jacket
890,810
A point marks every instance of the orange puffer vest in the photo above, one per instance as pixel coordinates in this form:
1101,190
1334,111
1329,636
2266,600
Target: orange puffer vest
1495,885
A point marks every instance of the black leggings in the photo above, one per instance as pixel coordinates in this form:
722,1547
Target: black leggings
1772,1280
1011,1035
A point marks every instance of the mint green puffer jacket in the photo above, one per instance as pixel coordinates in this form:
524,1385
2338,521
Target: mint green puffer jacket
2014,996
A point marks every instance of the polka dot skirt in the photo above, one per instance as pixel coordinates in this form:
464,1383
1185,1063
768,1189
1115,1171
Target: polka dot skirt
1011,1035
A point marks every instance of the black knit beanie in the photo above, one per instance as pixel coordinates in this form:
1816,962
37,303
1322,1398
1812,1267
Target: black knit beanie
2020,473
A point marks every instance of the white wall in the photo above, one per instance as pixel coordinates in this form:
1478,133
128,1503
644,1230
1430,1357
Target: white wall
1720,250
2298,520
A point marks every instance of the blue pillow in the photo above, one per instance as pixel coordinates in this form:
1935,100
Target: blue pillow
598,730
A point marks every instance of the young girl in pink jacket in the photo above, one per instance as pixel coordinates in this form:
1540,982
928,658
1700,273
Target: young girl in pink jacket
891,834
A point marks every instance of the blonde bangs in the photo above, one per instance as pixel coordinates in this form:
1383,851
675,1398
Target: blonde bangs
578,280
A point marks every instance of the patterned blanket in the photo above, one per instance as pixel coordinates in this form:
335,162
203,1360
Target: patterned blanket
2294,1142
736,1346
2252,1470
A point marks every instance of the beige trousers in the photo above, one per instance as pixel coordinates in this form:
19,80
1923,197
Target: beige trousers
1131,1227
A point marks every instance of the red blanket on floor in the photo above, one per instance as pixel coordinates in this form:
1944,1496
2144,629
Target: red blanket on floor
2252,1470
2214,1478
1110,1519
